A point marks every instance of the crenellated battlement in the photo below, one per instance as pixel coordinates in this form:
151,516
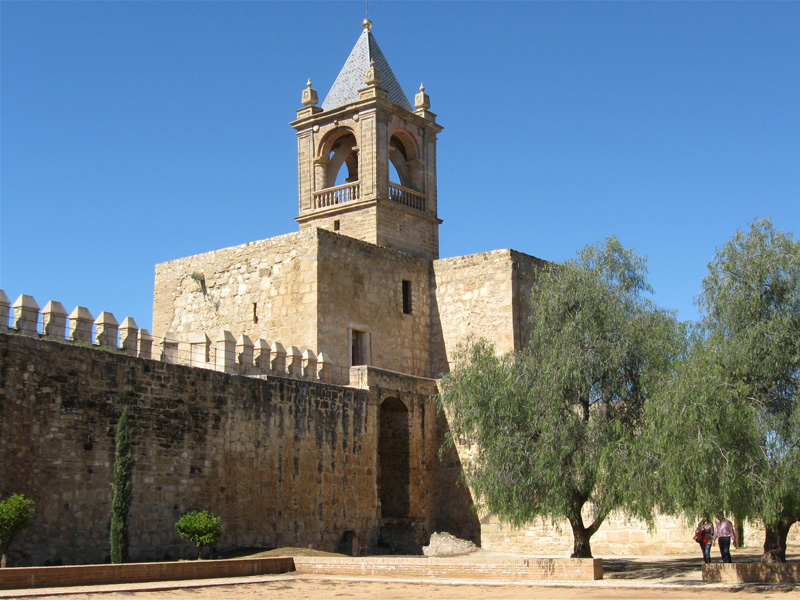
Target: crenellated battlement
219,351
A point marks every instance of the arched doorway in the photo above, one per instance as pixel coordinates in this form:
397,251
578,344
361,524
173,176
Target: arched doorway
394,458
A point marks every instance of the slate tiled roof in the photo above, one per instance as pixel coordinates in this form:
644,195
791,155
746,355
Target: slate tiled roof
351,78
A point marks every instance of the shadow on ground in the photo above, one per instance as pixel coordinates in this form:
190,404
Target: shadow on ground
678,570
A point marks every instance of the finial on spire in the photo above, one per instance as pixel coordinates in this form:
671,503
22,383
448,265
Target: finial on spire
367,24
309,97
422,101
372,76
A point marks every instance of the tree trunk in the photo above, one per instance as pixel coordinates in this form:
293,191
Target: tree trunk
775,540
2,559
581,547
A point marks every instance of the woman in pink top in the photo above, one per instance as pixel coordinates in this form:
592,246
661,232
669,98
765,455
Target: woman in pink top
723,534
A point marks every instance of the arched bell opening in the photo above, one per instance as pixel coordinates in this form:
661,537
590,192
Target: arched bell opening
406,171
343,153
398,160
394,453
337,159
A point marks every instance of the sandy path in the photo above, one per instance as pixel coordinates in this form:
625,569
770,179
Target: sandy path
316,589
624,579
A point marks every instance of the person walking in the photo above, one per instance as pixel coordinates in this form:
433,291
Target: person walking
724,533
704,535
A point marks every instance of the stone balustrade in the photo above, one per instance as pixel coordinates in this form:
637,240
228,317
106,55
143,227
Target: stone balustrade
407,197
221,351
349,192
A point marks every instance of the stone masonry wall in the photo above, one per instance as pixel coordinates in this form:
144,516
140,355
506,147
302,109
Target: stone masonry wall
480,295
355,220
361,288
617,536
426,506
283,462
265,289
526,268
407,230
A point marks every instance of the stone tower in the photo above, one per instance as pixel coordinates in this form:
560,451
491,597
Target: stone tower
367,159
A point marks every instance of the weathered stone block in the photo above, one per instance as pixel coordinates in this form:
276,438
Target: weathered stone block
26,315
80,325
106,330
54,320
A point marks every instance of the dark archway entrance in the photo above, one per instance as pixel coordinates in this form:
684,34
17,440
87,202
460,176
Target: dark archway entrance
394,456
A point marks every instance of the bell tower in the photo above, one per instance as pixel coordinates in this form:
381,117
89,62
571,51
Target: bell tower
367,159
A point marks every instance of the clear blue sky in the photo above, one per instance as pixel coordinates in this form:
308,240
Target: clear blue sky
138,132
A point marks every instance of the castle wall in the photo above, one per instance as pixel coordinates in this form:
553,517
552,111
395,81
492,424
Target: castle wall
619,535
283,462
481,295
265,289
361,288
526,268
426,508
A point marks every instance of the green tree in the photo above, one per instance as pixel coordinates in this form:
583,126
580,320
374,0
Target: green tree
16,512
726,432
122,490
554,424
201,527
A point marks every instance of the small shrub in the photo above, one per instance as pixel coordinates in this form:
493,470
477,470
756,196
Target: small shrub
16,512
201,527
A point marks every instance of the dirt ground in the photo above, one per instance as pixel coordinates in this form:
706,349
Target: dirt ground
293,588
662,577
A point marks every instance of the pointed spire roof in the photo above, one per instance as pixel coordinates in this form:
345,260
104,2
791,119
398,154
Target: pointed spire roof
351,78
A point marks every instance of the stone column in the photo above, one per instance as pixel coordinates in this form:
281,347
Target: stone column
54,320
145,344
278,358
323,368
106,330
367,155
5,303
294,362
244,354
305,173
26,315
80,325
199,350
320,174
169,348
225,346
309,365
262,352
129,336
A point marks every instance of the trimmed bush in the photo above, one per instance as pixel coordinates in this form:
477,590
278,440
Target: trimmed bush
201,527
15,515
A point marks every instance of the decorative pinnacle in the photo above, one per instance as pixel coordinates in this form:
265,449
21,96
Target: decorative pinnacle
367,24
372,76
309,97
422,100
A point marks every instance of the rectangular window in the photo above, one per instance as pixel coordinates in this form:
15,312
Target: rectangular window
406,297
359,348
336,225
